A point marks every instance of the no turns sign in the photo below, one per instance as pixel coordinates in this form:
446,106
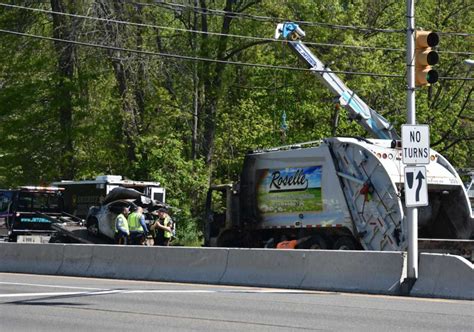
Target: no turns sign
415,144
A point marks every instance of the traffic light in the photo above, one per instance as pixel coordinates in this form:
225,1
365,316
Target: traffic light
425,57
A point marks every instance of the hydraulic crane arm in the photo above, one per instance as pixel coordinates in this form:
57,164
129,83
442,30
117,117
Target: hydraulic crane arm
373,122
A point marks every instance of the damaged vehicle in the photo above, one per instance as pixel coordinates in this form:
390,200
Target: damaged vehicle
100,220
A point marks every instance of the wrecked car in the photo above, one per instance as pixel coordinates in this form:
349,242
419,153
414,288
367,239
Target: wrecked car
100,220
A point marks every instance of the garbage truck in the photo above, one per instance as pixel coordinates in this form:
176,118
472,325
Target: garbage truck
336,193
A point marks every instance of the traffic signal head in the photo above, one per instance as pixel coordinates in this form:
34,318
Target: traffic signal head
425,57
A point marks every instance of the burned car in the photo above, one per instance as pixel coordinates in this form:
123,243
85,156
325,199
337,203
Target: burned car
100,220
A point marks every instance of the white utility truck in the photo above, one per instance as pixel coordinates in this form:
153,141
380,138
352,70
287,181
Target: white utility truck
80,195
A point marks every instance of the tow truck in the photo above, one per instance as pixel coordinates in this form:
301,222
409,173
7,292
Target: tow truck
31,214
34,214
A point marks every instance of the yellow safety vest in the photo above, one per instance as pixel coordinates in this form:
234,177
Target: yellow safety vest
167,223
121,221
134,222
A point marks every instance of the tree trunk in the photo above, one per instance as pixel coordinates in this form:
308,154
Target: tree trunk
63,28
213,85
123,74
195,121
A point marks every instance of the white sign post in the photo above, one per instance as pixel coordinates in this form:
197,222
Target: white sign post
415,144
416,188
415,151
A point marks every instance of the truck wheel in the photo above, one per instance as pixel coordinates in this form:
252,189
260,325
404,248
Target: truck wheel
93,227
228,239
345,243
315,242
56,239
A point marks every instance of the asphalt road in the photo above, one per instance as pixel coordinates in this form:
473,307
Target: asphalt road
54,303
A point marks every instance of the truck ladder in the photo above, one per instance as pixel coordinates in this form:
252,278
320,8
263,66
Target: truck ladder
358,110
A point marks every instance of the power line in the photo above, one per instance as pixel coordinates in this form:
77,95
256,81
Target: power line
190,58
279,19
459,34
457,53
269,40
145,25
208,11
448,78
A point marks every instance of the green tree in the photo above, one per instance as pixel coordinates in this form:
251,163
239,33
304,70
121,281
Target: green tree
69,109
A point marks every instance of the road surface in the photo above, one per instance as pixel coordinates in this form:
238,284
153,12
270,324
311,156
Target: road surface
54,303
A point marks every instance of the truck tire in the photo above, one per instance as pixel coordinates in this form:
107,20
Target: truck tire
345,243
93,227
315,242
57,239
228,239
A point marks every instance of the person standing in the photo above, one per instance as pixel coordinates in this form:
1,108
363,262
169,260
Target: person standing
121,227
163,228
137,227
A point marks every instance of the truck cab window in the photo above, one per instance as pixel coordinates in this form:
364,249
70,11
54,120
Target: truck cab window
5,199
54,202
24,203
40,201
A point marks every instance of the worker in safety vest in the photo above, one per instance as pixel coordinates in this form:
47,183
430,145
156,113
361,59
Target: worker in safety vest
163,227
137,227
121,227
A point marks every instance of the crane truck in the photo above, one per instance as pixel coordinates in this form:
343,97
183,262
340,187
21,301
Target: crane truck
337,193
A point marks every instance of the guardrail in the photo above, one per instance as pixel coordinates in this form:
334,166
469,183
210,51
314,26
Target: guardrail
343,271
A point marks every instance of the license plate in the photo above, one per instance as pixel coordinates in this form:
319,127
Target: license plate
32,239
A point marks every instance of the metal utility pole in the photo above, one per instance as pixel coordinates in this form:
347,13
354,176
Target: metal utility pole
412,212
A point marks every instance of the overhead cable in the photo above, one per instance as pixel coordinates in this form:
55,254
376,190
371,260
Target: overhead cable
269,40
279,19
192,58
239,15
146,25
202,59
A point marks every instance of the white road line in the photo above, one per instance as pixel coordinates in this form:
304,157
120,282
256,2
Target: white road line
105,292
147,291
52,286
40,294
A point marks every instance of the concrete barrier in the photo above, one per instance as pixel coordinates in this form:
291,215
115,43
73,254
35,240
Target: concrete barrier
349,271
31,258
444,276
265,267
354,271
76,260
200,265
133,262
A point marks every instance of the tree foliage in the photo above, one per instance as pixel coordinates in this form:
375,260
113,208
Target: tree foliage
137,104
